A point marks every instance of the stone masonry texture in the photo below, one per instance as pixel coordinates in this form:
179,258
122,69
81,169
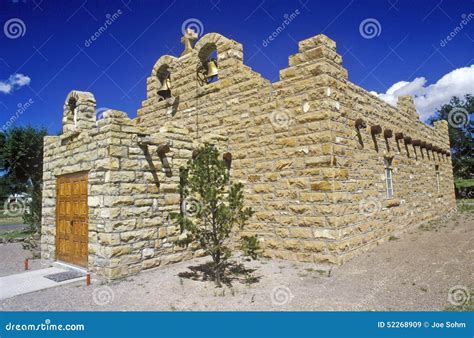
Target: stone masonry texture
311,150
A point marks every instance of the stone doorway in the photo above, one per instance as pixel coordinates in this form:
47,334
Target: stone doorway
72,219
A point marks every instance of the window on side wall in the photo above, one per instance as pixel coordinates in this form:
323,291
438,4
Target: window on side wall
438,179
388,177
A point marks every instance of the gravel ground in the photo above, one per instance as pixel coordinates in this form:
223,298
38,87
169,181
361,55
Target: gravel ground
414,272
12,257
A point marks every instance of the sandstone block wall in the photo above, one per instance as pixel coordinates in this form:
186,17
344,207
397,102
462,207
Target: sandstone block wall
296,149
131,189
314,178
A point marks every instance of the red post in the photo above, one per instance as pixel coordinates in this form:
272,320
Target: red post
25,263
88,279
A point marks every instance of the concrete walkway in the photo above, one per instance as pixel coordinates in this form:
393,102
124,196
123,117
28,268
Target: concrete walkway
8,227
30,281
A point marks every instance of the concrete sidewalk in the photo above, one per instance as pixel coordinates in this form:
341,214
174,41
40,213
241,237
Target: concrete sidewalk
9,227
30,281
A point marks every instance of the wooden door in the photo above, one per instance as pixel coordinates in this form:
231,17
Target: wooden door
72,219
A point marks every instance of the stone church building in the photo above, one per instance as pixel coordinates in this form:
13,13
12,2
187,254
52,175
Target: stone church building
330,169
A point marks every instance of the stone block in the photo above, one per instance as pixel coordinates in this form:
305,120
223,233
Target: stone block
326,186
107,239
117,151
301,233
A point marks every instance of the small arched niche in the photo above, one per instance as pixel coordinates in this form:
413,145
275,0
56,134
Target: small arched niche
79,111
208,67
164,68
70,114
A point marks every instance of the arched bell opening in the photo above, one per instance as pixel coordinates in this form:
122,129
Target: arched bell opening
208,69
164,78
70,114
72,105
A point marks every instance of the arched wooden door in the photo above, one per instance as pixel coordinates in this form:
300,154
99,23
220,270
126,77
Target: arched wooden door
72,219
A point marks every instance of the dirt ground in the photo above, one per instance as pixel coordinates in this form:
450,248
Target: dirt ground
12,257
414,272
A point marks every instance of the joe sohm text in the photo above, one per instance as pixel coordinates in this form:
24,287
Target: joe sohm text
418,324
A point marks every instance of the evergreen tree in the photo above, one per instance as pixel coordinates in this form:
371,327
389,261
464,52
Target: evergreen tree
211,209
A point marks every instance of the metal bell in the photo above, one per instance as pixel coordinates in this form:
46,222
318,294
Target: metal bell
166,85
212,69
165,89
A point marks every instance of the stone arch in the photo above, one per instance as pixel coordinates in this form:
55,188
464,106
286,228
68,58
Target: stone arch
225,47
207,50
167,60
79,111
166,63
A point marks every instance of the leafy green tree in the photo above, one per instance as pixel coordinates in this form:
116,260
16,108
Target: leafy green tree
21,161
5,189
211,209
459,113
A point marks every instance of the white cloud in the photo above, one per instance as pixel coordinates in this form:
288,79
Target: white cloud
14,82
429,99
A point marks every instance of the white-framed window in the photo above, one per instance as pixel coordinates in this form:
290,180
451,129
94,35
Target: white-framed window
438,178
388,176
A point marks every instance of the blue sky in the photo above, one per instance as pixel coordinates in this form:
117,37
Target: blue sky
44,53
